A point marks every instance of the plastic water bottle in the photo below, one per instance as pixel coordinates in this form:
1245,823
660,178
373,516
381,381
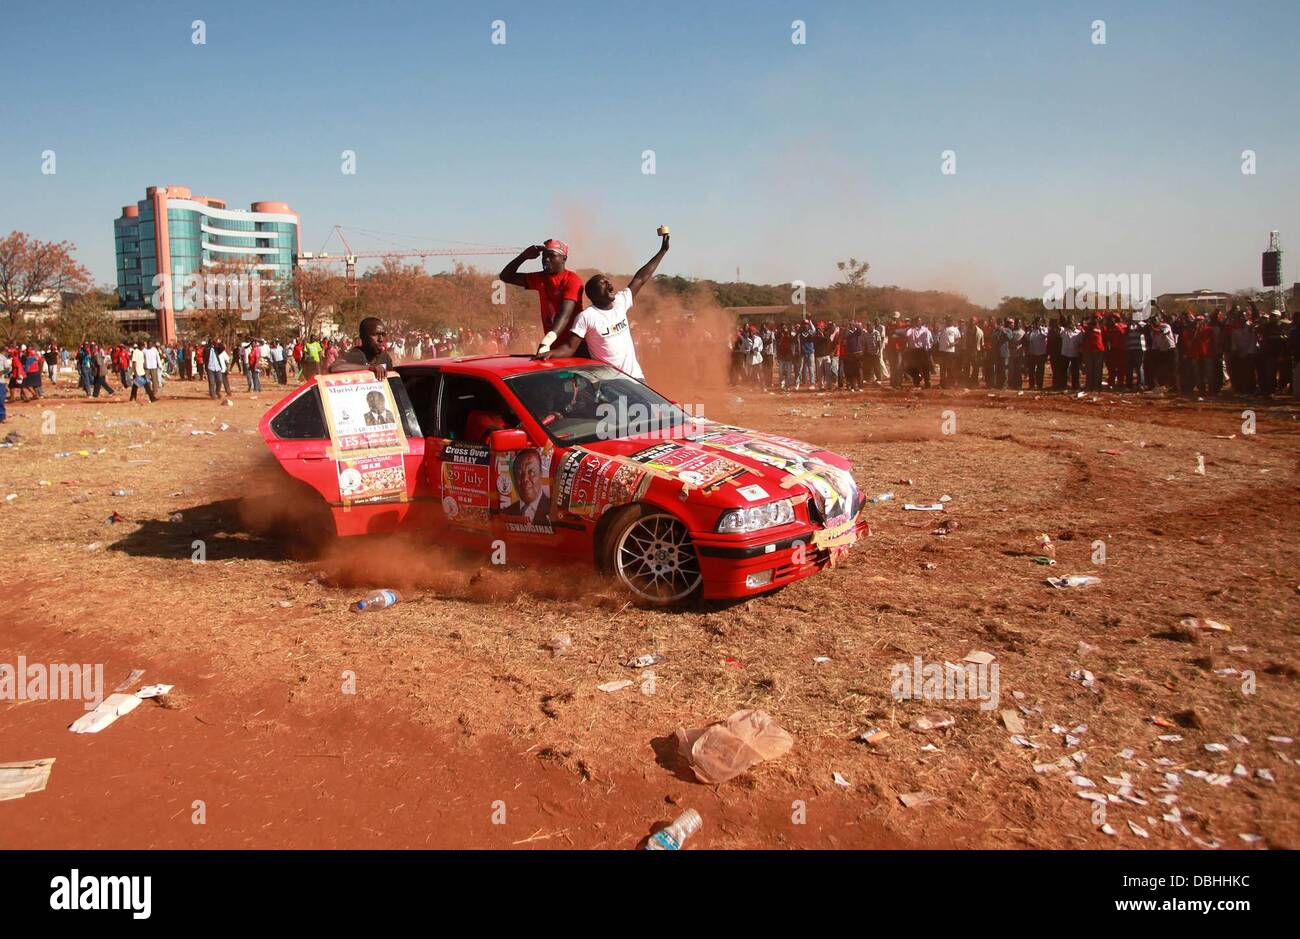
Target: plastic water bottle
376,600
674,836
883,497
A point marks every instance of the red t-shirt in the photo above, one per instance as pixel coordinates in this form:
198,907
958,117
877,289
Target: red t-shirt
553,290
1201,343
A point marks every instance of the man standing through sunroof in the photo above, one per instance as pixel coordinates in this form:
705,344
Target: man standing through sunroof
559,291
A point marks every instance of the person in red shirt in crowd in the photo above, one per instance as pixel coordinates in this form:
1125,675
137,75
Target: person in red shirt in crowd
559,291
122,362
1092,348
1200,349
1116,350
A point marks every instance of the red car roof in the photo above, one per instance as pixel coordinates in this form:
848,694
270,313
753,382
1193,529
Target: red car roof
503,366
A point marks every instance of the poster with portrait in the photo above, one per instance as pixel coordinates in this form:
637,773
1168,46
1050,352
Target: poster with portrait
367,441
466,484
361,414
523,490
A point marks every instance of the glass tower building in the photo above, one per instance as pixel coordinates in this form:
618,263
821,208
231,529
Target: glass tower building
171,231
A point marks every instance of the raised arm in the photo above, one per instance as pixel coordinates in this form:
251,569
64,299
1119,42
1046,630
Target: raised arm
510,273
648,271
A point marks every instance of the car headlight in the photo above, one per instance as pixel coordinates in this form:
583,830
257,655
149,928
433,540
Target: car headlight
755,518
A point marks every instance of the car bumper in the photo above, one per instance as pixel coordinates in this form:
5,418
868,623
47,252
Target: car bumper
744,566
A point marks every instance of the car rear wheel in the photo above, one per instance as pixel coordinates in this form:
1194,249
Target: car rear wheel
651,553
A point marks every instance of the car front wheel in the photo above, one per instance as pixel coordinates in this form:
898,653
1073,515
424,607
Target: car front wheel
651,553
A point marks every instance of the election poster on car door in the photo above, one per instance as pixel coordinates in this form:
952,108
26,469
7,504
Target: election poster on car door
367,440
523,489
466,498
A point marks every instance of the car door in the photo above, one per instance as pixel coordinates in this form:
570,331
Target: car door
480,495
297,434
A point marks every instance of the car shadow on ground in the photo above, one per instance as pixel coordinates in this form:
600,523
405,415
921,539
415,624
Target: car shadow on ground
214,531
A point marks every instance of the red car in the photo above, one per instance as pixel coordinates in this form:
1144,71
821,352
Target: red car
573,459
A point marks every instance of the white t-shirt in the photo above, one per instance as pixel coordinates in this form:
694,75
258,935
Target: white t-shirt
609,334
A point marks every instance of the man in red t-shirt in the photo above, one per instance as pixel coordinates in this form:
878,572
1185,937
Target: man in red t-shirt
1115,337
558,289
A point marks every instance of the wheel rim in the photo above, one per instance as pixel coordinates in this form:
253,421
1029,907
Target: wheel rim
656,560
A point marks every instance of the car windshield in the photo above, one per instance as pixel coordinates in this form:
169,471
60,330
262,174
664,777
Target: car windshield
587,403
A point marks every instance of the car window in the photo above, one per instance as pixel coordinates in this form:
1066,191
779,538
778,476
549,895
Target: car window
303,419
422,387
587,403
470,405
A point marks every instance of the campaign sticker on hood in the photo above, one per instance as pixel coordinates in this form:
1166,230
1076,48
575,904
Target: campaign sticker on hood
832,489
691,465
753,493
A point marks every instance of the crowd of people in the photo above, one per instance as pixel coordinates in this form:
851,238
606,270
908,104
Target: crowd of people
1244,350
144,365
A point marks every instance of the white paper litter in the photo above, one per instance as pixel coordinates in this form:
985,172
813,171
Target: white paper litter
24,777
109,710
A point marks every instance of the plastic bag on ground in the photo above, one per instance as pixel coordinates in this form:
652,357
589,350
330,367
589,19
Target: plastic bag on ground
725,749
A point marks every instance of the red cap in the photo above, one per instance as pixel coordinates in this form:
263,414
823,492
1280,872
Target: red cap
554,244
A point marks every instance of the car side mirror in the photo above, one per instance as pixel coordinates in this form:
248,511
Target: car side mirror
506,441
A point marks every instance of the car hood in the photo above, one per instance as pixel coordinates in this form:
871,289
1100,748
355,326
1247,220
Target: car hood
733,467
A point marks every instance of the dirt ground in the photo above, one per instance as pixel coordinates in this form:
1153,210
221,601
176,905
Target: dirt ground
465,732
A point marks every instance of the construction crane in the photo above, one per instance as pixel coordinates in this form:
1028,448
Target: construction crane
350,257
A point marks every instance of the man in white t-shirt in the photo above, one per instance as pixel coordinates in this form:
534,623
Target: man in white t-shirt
604,325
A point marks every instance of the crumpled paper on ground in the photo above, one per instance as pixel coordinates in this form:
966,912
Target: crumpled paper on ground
725,749
23,778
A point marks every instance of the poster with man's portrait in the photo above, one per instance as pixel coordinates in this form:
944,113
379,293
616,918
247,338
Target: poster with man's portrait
524,490
361,414
366,437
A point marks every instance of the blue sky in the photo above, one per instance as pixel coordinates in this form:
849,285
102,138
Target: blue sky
774,158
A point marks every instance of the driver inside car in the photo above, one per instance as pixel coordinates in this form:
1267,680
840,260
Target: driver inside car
563,401
479,424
